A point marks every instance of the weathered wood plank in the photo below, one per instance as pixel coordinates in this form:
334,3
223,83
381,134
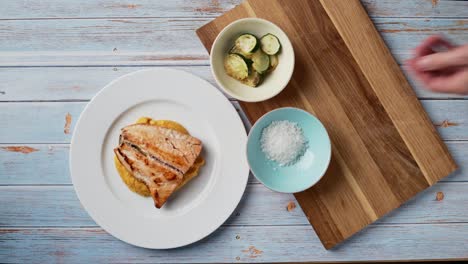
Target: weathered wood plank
69,83
156,41
416,8
451,119
44,122
38,122
58,206
142,42
44,164
100,40
48,164
274,244
82,83
111,8
209,8
24,206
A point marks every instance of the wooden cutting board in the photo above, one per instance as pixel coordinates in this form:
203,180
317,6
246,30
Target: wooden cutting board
385,148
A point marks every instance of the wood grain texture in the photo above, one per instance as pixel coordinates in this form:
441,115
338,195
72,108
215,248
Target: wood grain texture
37,122
391,88
28,9
385,150
49,165
277,243
43,122
38,206
82,83
45,33
162,41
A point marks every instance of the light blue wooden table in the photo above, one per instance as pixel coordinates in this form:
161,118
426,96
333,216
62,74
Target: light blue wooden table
55,55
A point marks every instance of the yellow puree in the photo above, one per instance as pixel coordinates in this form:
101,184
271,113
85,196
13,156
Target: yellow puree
137,186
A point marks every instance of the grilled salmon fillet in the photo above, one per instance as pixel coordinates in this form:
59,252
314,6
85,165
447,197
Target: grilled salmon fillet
159,157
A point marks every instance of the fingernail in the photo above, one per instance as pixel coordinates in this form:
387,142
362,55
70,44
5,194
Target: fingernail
423,63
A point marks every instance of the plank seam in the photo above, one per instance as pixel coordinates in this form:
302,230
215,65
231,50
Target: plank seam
230,99
178,63
68,143
191,63
212,17
38,185
227,225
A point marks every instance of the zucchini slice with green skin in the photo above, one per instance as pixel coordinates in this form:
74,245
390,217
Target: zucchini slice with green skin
247,43
261,61
274,61
253,80
236,66
236,50
270,44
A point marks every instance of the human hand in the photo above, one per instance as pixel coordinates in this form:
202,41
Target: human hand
441,66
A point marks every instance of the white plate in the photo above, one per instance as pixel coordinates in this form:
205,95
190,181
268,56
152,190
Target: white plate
198,208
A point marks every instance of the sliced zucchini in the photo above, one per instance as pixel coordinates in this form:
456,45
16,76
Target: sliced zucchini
274,61
236,66
253,80
247,43
236,50
261,61
270,44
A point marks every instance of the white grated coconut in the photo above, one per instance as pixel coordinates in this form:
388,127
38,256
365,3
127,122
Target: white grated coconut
283,142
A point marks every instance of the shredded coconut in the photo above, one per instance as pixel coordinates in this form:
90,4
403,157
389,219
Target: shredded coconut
283,142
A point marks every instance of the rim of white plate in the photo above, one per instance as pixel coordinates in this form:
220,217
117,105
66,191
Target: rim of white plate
230,174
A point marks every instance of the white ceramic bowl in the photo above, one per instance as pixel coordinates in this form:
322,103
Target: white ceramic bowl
274,82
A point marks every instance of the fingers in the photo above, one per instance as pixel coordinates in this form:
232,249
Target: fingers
428,46
421,75
440,60
451,83
454,80
441,66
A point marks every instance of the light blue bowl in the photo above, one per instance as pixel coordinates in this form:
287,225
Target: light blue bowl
308,170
